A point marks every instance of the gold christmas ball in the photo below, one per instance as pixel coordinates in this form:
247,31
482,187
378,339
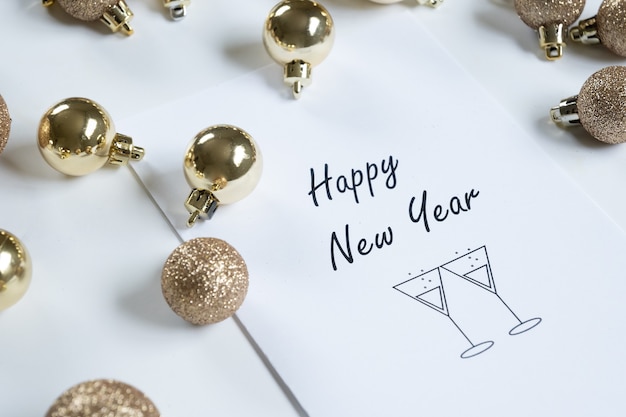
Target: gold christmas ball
204,280
75,136
87,10
536,13
298,30
601,104
15,269
611,25
224,160
103,398
5,124
115,14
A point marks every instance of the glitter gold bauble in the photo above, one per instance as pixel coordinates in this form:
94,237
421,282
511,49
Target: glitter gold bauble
77,136
611,20
600,106
103,398
607,27
550,18
298,34
204,280
87,10
536,13
5,124
114,13
222,164
15,269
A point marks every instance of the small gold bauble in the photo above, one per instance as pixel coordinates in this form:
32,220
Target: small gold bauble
77,137
204,280
298,34
222,164
103,398
15,269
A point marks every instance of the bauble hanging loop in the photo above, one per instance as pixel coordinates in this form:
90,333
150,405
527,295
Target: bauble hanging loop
599,107
114,13
550,18
607,27
178,8
222,164
298,34
15,269
77,136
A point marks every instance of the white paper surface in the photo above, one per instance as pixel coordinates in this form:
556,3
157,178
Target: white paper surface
341,322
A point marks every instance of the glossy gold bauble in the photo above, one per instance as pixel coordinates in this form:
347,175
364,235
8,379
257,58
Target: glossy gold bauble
298,34
77,137
222,164
15,269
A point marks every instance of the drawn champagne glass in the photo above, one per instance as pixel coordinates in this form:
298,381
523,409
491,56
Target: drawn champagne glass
428,289
475,268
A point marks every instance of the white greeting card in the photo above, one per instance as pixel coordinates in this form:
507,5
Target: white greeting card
411,251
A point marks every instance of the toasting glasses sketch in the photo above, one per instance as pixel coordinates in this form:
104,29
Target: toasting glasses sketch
474,267
428,289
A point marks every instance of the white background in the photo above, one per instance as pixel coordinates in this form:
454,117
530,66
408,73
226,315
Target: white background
83,233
